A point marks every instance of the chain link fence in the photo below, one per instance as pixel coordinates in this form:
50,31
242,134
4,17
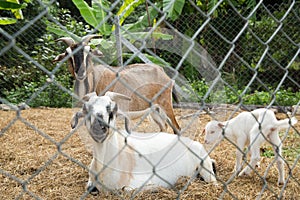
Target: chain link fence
223,61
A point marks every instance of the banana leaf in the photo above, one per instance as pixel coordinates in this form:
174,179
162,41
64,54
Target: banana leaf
144,35
6,21
127,8
142,22
173,8
9,5
95,15
155,59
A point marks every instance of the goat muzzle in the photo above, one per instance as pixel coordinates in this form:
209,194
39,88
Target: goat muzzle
99,130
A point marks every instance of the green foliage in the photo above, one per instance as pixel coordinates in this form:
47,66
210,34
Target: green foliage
7,20
95,15
268,152
127,8
71,25
173,8
287,97
107,44
142,21
200,87
23,81
15,7
41,93
233,95
156,60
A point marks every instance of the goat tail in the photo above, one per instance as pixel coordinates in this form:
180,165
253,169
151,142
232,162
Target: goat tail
159,116
175,95
286,123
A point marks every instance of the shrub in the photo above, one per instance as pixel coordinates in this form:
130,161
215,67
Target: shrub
282,97
23,81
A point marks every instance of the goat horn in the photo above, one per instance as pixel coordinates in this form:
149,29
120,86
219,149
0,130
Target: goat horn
87,38
69,41
116,96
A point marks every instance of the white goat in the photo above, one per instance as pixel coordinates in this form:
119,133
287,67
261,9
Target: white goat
143,83
134,160
250,128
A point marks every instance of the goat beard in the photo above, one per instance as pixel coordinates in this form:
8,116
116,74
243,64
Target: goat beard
99,132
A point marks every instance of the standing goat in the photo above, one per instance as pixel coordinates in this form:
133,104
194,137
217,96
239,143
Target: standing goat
134,160
251,128
143,83
155,113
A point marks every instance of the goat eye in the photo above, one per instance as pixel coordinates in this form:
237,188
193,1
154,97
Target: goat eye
212,132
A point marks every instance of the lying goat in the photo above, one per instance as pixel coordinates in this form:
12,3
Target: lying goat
135,160
143,83
244,130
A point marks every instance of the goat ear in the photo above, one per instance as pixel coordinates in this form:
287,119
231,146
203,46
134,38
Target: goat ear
116,96
74,120
220,125
59,57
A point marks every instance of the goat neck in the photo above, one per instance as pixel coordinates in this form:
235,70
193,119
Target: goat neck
116,165
85,86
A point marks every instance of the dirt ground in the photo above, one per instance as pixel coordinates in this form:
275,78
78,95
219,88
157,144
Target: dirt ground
41,157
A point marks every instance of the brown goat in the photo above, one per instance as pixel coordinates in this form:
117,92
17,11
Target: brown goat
145,84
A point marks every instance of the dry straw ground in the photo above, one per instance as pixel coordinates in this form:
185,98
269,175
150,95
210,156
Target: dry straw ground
25,152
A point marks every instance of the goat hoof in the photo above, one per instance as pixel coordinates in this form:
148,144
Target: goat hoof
92,190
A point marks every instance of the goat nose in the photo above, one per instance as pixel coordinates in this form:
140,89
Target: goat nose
99,127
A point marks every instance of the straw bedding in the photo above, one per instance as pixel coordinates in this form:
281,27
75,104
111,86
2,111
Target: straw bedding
54,163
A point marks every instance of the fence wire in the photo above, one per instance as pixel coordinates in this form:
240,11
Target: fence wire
231,50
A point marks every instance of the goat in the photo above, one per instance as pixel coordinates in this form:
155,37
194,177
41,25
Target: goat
134,160
143,83
250,128
155,113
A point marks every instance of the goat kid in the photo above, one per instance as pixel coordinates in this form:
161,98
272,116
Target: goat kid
134,160
143,83
244,130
